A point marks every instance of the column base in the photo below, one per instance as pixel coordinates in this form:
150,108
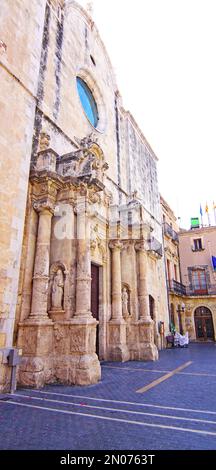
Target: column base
118,350
35,372
35,338
147,349
84,363
57,314
62,352
77,369
5,373
38,319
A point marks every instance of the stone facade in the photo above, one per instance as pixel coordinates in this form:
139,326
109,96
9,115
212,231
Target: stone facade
191,279
73,196
196,248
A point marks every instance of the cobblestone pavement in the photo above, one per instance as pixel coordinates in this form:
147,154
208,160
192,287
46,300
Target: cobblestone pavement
176,411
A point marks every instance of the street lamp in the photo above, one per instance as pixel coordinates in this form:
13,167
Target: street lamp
180,310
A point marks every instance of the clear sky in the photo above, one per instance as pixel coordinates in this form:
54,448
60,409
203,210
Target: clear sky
164,56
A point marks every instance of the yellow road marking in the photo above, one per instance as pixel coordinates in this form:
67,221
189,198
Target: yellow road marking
164,377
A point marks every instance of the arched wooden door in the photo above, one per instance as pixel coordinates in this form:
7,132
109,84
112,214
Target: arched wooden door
203,324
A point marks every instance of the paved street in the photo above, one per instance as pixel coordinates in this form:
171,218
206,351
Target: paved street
169,404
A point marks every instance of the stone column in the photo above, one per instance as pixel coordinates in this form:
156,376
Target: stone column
176,319
116,247
41,265
36,332
134,299
147,348
85,363
83,280
143,297
117,325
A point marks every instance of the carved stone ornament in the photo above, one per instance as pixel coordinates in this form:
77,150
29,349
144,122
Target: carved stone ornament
107,198
87,162
44,141
57,283
87,141
58,332
116,245
41,206
140,246
125,300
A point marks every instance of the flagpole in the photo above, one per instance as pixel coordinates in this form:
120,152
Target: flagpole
207,212
214,209
201,215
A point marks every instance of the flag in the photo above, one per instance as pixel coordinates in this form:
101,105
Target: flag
214,262
201,212
206,208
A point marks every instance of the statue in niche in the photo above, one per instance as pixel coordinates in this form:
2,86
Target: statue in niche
125,298
57,290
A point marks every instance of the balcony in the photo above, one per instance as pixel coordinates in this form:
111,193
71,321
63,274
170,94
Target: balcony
181,289
197,292
168,230
155,247
176,287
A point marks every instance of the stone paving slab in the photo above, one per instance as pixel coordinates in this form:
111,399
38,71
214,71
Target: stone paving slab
178,413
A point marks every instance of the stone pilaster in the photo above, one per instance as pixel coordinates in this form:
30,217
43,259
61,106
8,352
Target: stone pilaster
147,348
117,325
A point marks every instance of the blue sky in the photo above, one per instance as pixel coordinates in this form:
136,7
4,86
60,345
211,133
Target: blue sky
163,53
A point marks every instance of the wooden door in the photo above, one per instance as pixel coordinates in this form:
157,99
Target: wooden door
95,299
204,324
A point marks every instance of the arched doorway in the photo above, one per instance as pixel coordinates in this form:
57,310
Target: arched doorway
203,324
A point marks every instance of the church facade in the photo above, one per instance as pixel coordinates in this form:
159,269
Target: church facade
82,268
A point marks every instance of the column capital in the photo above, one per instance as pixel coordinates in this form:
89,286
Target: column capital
44,206
116,245
140,246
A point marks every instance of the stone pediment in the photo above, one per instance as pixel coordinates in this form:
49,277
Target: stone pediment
86,164
88,161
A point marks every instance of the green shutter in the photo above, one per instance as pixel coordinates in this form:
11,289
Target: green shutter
195,222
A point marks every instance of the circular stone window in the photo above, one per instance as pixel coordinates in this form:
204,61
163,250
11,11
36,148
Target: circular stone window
88,102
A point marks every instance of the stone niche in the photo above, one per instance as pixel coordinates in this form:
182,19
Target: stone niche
57,288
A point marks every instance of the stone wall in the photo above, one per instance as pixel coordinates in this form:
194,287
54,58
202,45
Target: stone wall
21,31
52,44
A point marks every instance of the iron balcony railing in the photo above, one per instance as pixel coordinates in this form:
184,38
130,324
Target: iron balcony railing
168,230
177,287
181,289
155,246
210,289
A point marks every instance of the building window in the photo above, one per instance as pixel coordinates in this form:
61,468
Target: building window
175,273
168,273
197,244
199,281
88,102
